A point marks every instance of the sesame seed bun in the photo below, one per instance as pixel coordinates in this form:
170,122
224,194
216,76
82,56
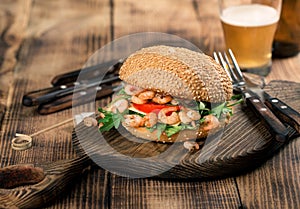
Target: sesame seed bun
179,72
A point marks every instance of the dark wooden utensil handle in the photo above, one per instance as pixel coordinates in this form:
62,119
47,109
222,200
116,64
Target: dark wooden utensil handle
43,95
74,100
64,78
272,123
284,112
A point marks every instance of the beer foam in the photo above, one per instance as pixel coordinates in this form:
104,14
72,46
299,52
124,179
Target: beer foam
250,15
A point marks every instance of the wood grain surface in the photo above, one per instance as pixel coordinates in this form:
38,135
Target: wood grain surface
40,39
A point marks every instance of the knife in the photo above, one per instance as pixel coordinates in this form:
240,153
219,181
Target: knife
64,84
78,98
49,94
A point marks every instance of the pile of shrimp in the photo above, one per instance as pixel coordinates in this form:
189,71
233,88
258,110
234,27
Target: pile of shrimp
169,115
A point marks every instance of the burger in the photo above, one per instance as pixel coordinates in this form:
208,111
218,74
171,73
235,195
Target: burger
169,94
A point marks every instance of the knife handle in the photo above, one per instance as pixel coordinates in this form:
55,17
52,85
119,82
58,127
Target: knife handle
65,78
272,123
44,95
75,99
284,112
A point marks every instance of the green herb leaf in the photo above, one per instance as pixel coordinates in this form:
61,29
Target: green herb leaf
236,97
117,118
236,103
201,106
171,130
160,129
218,110
110,120
121,92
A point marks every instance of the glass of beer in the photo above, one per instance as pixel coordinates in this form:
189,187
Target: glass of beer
249,27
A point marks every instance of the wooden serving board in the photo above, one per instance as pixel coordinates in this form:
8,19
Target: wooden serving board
244,144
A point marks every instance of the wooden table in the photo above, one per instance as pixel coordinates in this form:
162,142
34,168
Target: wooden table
40,39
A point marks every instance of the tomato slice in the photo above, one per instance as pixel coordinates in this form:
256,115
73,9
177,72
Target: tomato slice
151,107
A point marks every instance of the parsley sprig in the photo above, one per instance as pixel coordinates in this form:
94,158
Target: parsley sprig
110,119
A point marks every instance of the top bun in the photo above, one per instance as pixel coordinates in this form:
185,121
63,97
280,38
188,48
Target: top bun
179,72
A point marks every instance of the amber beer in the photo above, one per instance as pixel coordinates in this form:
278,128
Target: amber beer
249,31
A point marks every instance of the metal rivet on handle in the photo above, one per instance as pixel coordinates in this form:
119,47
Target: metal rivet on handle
263,109
82,93
283,107
256,100
274,100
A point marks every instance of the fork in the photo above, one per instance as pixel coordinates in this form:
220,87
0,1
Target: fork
271,122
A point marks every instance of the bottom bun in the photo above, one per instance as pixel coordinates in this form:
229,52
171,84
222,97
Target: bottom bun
182,136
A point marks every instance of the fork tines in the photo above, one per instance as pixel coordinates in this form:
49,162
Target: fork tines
231,67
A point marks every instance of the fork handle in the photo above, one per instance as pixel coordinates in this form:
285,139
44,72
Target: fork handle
284,112
272,123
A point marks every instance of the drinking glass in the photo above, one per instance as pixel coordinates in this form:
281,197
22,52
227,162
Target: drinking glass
249,27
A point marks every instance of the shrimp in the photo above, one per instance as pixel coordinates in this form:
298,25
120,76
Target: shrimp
211,122
137,100
193,114
184,118
132,90
162,99
134,121
148,94
150,119
120,105
171,119
174,102
188,115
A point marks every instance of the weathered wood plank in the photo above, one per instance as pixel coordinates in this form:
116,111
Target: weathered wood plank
59,36
161,194
13,23
42,57
194,20
285,69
